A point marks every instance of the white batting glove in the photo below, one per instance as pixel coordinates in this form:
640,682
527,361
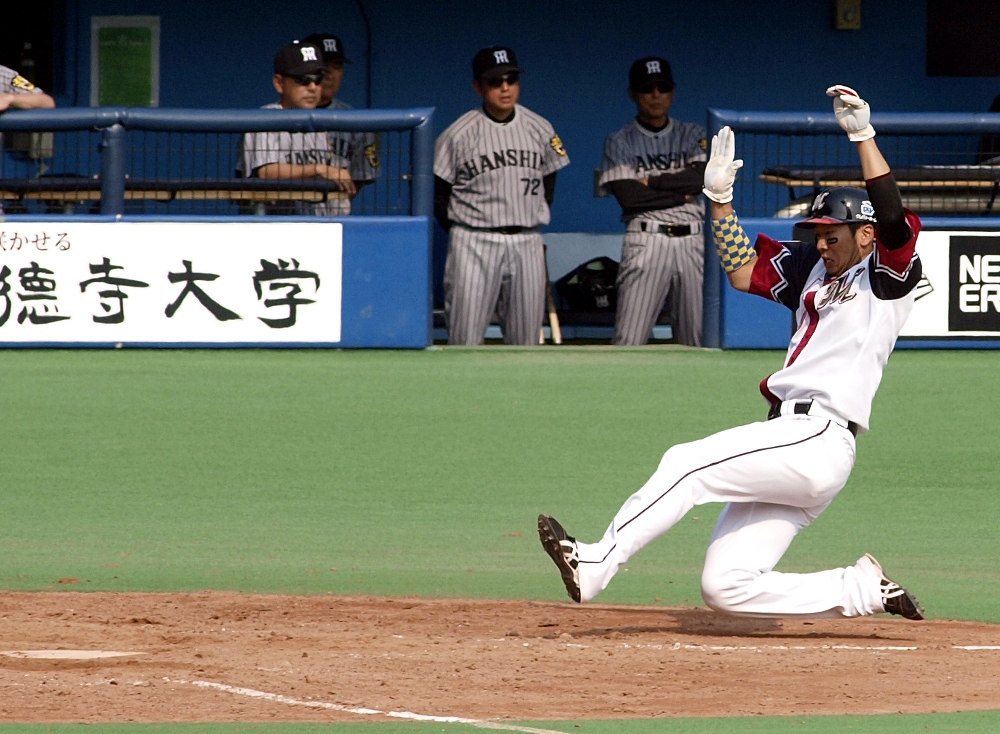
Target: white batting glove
720,172
852,112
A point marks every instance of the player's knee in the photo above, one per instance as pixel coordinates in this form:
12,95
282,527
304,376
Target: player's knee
723,590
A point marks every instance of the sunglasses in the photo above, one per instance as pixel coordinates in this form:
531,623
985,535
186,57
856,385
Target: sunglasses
661,87
497,81
306,79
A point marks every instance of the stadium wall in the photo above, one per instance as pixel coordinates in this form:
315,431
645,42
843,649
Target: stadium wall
730,54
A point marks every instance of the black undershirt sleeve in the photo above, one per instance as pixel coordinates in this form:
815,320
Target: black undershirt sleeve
442,194
893,231
688,181
634,198
549,187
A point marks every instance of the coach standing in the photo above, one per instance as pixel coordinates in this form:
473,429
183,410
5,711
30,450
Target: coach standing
654,166
494,175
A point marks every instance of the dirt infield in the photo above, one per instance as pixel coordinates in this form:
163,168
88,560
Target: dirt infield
236,657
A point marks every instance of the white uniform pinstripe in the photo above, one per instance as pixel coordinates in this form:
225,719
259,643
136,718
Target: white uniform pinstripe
654,265
353,151
496,172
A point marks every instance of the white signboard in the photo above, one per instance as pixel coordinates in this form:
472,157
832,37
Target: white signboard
170,283
959,294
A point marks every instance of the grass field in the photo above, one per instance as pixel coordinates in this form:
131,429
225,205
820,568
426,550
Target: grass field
422,473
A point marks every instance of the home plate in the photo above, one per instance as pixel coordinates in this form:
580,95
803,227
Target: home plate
66,654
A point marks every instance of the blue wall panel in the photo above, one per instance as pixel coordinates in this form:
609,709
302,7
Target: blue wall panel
751,322
386,296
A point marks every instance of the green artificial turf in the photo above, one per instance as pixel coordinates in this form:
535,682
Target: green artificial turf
423,472
972,722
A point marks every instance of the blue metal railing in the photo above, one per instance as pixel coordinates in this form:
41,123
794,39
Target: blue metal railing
115,122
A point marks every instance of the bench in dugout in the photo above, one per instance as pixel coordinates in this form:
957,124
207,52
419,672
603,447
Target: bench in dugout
930,189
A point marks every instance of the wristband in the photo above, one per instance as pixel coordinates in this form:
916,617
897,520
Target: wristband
732,242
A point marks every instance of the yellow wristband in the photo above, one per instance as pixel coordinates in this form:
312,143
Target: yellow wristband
732,242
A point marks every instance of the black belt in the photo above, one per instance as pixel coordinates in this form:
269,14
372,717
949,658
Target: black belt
802,408
671,230
503,230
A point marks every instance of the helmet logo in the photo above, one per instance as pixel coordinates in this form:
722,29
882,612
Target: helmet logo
820,201
867,210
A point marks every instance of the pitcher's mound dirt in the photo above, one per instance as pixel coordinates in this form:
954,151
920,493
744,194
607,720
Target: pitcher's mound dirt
469,658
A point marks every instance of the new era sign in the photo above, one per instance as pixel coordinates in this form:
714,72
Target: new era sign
974,278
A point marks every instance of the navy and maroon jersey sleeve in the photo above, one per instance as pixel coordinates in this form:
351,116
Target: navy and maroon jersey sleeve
781,270
896,272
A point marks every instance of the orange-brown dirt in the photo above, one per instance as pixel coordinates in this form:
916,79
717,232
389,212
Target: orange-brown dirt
470,658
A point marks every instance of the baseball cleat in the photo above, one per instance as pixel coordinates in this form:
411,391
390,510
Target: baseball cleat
895,598
562,550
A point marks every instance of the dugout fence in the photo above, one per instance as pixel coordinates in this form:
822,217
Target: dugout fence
187,162
947,166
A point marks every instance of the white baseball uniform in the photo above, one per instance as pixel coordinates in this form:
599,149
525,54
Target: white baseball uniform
353,151
496,171
777,476
654,263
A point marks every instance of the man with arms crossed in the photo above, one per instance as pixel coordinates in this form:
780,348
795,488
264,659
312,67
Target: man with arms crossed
851,292
654,166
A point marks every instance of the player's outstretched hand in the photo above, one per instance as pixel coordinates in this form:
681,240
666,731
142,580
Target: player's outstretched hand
852,112
720,172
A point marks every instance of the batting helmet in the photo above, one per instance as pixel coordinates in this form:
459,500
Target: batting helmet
841,205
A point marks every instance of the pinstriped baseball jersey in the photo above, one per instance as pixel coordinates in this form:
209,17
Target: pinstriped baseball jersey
496,168
338,149
847,326
636,153
13,83
354,151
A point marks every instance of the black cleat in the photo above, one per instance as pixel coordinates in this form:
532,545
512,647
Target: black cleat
562,550
895,598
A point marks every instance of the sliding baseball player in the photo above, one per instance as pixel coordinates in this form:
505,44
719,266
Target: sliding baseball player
851,292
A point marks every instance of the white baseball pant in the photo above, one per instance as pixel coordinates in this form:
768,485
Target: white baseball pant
483,268
777,477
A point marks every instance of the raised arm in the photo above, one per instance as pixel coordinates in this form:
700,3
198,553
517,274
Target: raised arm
854,116
736,252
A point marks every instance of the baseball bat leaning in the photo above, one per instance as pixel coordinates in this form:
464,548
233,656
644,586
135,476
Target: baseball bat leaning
550,304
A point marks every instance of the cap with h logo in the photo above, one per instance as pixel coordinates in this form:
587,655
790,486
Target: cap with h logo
331,46
650,69
297,59
493,62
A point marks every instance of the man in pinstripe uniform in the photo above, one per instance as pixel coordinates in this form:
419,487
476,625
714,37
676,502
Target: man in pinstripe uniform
494,175
298,77
356,151
654,167
20,93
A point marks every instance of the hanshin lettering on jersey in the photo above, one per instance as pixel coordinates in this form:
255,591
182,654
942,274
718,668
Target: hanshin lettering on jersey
633,152
340,149
496,169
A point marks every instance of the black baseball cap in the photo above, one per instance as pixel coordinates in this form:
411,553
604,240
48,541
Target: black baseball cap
650,69
297,59
331,46
494,61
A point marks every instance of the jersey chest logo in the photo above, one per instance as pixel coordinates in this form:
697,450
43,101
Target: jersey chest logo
839,291
659,162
